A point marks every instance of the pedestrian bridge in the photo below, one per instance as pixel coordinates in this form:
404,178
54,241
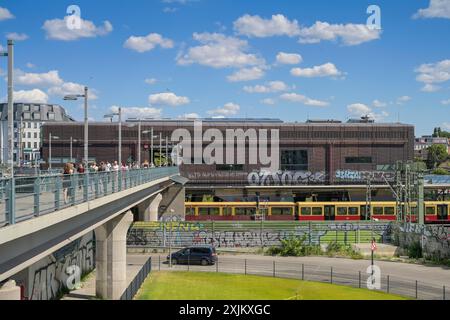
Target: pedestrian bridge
41,214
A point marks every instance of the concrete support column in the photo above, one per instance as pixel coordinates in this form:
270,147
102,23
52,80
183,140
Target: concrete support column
9,291
152,211
111,257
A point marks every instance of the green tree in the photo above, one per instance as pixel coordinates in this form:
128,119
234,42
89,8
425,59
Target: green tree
437,154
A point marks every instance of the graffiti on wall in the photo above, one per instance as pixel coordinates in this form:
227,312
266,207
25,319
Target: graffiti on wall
48,277
352,175
267,178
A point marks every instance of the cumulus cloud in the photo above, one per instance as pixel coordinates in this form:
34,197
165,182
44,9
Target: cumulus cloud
298,98
167,99
432,73
56,29
71,88
147,43
325,70
349,34
247,74
446,102
379,104
30,96
362,110
189,116
219,51
138,112
151,81
228,109
273,86
289,58
255,26
16,36
50,78
268,101
5,14
436,9
403,99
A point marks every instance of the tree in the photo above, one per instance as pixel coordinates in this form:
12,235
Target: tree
437,154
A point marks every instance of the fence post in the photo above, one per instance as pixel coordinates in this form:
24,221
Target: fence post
388,284
309,233
416,291
303,271
217,265
331,276
359,279
245,266
37,193
159,263
86,185
274,268
12,201
443,292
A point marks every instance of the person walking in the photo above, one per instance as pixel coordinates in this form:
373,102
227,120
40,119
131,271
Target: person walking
67,183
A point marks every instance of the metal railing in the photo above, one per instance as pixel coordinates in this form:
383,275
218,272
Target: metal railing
137,282
410,288
22,198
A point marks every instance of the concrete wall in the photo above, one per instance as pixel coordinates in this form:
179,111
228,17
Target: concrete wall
435,240
173,203
46,279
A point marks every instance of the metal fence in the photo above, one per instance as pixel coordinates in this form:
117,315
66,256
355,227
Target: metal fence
253,234
137,282
409,288
22,198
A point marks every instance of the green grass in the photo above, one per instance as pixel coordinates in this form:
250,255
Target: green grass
220,286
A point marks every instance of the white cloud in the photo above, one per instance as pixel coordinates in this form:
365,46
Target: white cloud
247,74
56,29
446,125
147,43
446,102
227,110
362,110
403,99
432,73
138,112
255,26
71,88
219,51
379,104
29,64
50,78
350,34
167,99
436,9
5,14
30,96
170,10
189,116
289,58
430,88
325,70
16,36
268,101
151,81
273,86
298,98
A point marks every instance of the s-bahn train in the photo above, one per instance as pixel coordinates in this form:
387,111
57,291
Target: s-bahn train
435,211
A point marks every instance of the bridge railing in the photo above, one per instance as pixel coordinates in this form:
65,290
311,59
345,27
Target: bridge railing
22,198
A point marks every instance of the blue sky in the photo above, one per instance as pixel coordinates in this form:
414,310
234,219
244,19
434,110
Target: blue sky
291,60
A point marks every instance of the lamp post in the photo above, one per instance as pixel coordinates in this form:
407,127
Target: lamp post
160,149
71,148
74,97
111,116
50,150
10,55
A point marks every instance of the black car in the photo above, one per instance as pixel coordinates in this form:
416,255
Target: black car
203,255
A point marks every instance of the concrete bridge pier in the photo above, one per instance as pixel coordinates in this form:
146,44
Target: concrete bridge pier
111,257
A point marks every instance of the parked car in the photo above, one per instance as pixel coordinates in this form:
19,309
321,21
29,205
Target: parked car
203,255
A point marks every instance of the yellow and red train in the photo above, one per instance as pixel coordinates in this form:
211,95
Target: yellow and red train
435,211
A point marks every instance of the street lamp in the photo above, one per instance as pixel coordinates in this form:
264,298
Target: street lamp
10,55
50,150
71,147
111,116
74,97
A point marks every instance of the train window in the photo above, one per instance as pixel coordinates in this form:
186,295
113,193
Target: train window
431,211
414,211
227,211
353,211
389,211
342,211
317,211
281,211
305,211
377,210
245,211
208,211
190,211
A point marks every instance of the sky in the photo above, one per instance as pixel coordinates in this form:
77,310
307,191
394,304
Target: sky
292,60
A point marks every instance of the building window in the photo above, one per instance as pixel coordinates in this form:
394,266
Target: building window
358,160
296,160
29,125
29,145
26,107
29,135
35,135
51,116
35,125
36,145
36,116
35,108
26,116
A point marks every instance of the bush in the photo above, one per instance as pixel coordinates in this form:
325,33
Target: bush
294,247
337,249
415,250
441,171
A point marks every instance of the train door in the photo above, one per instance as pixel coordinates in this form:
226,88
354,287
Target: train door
365,216
330,213
442,212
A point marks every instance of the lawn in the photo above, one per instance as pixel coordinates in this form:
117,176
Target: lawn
221,286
